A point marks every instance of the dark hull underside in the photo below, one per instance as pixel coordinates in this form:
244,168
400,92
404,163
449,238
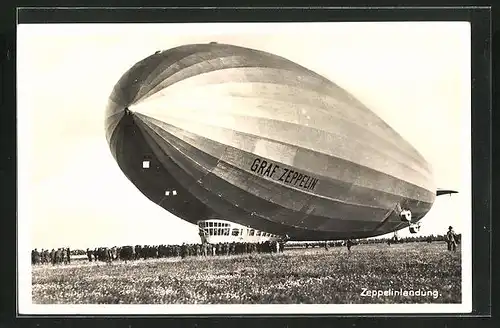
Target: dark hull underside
212,174
134,142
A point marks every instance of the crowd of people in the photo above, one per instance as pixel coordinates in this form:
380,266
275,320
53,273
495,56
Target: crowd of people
44,256
185,250
129,253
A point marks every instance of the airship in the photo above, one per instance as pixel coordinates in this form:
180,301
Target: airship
241,141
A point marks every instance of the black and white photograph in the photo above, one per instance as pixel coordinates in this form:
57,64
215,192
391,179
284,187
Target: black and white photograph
244,168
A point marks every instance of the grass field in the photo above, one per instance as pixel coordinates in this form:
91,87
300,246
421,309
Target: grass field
295,276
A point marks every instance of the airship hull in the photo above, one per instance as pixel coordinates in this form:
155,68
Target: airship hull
256,139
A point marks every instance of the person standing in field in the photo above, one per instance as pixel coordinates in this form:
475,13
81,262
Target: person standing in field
451,239
45,256
89,254
35,256
53,256
184,250
348,243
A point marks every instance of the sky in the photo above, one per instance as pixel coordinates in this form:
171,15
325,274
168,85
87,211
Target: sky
415,76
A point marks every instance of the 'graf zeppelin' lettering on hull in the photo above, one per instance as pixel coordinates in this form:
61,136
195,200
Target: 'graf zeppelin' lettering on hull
283,174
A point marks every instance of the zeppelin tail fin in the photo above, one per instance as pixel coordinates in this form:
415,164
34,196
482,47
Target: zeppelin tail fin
440,192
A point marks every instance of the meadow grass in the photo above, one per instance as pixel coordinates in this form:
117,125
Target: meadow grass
316,276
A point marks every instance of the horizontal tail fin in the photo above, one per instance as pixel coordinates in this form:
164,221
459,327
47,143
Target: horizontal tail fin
440,192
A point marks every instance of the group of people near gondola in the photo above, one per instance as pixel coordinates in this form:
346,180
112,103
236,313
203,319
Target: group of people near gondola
234,248
130,253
